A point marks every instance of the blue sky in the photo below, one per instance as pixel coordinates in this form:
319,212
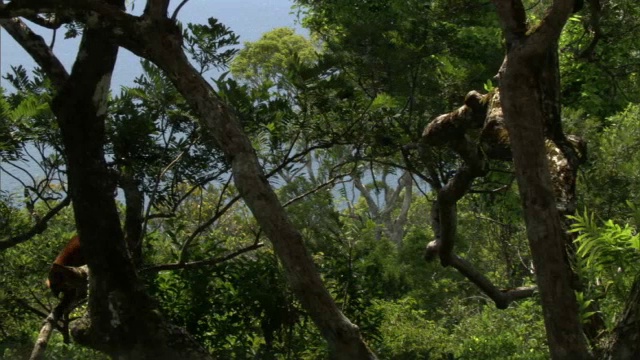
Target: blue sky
248,18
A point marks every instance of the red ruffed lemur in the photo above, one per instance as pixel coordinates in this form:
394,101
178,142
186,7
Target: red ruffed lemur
64,278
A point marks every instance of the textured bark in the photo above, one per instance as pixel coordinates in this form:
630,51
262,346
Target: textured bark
545,230
521,84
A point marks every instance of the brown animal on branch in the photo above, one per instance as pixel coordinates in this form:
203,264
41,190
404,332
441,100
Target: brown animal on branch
68,275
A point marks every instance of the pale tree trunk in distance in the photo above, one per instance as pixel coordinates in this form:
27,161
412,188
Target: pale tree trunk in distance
395,198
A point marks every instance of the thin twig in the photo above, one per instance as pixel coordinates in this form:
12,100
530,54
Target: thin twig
175,12
38,228
207,262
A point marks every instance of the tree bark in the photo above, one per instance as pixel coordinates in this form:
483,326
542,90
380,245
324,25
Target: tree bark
547,237
122,321
522,103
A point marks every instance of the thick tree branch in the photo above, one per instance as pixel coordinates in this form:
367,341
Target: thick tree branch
451,129
35,45
134,208
529,81
52,22
548,31
502,298
626,344
156,9
454,129
537,39
43,337
513,18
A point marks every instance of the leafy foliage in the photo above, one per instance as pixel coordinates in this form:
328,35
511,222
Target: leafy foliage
325,112
608,246
211,45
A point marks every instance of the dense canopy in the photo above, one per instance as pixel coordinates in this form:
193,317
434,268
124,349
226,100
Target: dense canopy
407,180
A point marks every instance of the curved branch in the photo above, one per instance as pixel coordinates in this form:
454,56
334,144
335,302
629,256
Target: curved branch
177,10
502,298
595,9
35,45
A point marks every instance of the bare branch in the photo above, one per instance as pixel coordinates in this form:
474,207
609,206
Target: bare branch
208,262
502,298
218,213
43,337
30,308
331,181
177,10
38,228
373,207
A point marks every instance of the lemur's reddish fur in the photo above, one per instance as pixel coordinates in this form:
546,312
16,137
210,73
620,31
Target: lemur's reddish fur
61,278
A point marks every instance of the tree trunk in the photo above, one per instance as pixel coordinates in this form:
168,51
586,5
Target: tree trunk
524,119
524,103
122,321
